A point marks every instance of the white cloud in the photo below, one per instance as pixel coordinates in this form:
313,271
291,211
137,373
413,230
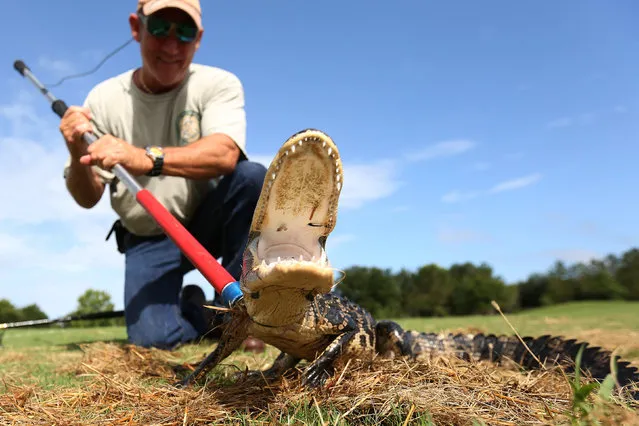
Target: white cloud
363,182
38,193
449,235
378,179
458,196
572,255
508,185
518,183
335,241
57,66
442,149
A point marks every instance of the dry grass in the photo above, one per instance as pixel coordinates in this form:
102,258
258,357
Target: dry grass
123,384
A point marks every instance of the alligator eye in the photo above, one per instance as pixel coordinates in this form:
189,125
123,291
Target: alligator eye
310,296
255,295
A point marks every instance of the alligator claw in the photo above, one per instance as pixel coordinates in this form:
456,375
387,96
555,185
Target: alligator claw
316,375
182,383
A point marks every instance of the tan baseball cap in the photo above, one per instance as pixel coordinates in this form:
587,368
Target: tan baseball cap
192,7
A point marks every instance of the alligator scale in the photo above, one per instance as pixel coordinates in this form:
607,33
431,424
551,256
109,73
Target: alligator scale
287,281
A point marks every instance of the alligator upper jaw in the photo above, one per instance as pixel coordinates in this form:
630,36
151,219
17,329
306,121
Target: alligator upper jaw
296,212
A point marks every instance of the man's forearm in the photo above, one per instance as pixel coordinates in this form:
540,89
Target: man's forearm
212,156
85,186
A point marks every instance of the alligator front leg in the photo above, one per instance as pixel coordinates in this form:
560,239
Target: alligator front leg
349,345
234,335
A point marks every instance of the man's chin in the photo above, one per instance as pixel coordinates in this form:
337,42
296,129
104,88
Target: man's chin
171,80
170,74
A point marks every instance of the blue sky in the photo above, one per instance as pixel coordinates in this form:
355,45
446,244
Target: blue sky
498,132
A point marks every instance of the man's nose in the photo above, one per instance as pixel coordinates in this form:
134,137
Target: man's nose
171,44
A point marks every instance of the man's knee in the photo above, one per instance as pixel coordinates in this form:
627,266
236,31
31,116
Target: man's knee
160,326
152,338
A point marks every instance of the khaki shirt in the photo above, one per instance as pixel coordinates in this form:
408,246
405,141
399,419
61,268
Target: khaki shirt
210,100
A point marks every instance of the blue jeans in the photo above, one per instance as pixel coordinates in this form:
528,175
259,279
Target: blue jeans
155,267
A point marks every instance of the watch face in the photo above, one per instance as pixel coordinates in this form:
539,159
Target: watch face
155,151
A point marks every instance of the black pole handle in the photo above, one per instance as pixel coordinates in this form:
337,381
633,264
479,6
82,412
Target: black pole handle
20,66
59,107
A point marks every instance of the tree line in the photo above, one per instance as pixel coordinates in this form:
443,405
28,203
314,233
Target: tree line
432,290
468,289
91,301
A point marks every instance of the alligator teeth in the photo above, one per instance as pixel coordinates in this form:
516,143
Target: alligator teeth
292,148
301,257
330,151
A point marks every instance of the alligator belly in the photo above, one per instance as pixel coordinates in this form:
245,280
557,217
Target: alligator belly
303,344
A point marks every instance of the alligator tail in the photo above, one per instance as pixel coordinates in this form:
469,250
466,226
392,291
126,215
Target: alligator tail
538,352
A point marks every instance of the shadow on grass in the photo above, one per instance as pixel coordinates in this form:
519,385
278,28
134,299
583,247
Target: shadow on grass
77,346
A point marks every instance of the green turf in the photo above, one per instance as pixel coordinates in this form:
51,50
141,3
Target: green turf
565,319
57,336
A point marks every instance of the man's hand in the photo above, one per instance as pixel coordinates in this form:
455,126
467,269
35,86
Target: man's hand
74,123
108,151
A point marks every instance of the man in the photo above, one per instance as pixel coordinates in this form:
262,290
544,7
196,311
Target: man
179,128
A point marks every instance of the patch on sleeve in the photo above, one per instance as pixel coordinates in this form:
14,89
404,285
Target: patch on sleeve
188,127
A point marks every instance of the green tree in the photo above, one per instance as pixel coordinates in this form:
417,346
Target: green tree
475,287
8,312
430,293
374,289
627,273
531,291
597,283
93,301
32,312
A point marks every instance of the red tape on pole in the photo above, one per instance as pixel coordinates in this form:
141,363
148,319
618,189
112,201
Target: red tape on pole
192,249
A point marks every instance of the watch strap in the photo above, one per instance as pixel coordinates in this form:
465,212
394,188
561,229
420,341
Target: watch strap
156,154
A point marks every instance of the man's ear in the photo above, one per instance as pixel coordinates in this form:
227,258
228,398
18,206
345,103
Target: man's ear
136,26
198,39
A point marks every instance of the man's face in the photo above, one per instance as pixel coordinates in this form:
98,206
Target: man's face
166,59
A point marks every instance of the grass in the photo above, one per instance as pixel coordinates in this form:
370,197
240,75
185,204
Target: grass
91,376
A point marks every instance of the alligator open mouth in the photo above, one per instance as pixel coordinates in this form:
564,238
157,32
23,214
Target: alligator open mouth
296,212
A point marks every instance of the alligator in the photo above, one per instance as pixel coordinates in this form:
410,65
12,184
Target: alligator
288,299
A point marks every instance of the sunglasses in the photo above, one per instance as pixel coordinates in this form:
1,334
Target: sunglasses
159,27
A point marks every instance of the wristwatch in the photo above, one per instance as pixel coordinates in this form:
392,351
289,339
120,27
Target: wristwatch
155,153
